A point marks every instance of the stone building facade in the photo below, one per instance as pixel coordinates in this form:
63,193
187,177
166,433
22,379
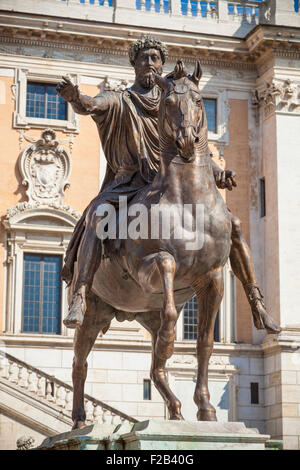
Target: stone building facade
52,165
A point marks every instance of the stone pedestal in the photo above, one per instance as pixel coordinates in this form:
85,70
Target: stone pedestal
158,434
93,437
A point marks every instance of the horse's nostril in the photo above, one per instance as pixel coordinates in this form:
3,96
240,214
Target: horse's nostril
197,140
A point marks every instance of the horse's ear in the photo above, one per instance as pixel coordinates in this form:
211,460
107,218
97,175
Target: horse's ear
197,74
161,81
179,70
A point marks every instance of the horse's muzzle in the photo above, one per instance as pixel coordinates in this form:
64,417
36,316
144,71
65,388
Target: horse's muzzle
186,144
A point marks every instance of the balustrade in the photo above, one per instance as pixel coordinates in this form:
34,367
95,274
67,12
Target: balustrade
200,8
153,6
246,10
236,9
54,391
195,16
104,3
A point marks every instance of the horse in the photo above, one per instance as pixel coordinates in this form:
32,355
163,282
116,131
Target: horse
150,279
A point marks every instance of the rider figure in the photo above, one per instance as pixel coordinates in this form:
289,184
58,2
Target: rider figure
127,126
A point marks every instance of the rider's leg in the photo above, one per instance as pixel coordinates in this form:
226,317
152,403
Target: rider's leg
88,261
71,253
243,268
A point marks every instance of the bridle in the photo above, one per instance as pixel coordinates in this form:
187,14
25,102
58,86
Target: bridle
180,89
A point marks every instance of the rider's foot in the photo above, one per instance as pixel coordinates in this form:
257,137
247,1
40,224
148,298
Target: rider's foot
262,320
76,311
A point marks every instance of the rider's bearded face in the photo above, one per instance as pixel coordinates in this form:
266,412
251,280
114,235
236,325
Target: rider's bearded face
147,62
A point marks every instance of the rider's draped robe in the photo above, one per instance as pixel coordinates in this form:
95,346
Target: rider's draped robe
127,125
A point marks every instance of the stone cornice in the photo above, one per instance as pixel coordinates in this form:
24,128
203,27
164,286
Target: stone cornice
119,343
280,41
287,341
113,40
212,57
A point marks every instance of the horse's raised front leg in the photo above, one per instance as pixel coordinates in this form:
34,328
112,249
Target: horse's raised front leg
97,317
151,321
209,297
166,335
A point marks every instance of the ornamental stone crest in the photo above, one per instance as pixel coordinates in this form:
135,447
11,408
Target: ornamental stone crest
45,166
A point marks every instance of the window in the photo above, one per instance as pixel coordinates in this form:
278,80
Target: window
190,315
42,101
190,319
262,192
37,103
42,294
254,393
225,324
147,389
210,105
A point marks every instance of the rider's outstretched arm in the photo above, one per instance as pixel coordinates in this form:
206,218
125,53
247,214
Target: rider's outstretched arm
84,104
81,104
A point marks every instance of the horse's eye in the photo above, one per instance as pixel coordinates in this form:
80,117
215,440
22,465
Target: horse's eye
198,102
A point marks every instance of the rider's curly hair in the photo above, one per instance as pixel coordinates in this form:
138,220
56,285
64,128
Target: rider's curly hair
147,42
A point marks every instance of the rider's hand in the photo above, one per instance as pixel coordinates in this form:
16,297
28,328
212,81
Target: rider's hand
67,90
225,179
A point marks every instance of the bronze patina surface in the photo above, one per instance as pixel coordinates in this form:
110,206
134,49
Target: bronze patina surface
154,137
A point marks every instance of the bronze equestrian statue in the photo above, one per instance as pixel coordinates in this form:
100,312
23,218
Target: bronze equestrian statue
153,278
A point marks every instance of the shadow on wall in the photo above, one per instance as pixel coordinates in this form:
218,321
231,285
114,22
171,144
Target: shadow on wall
223,403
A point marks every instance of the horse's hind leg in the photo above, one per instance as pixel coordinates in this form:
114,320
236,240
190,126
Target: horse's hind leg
209,299
151,321
97,317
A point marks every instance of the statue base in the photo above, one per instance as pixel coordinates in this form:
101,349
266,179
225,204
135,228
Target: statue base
158,434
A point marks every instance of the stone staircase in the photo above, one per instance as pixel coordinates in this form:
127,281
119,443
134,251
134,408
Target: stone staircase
44,403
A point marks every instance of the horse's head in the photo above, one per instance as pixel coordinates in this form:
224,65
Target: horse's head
181,114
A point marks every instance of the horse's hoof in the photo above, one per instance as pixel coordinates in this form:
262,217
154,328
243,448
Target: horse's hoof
206,415
176,417
78,425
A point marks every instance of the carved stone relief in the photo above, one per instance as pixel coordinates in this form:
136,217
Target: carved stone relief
112,85
45,168
283,96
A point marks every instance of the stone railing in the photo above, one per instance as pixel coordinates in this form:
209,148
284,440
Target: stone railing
54,391
218,9
238,9
223,17
197,8
199,16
